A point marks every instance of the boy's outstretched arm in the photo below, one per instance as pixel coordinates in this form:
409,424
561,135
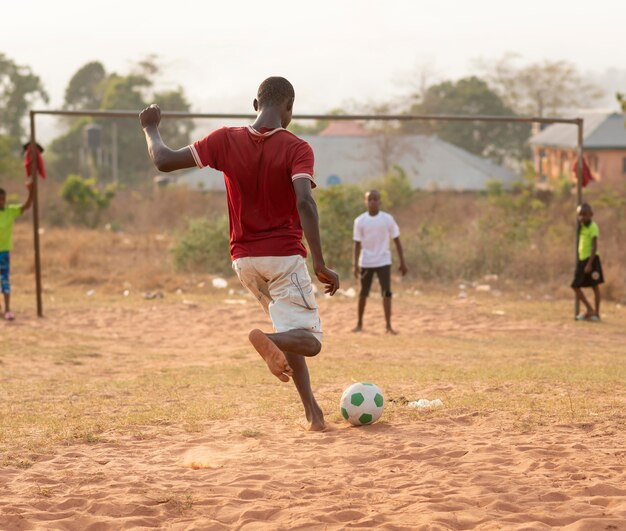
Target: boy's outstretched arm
29,200
164,158
307,209
403,269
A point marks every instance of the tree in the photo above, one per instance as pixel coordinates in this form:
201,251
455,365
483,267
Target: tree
539,89
471,96
20,88
92,87
621,98
423,75
85,89
10,165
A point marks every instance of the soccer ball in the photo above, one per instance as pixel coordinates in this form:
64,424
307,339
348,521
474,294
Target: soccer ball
362,403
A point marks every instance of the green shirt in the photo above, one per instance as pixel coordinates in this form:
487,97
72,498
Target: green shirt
7,216
585,239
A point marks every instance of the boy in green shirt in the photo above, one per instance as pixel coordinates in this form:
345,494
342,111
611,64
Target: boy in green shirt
8,213
588,269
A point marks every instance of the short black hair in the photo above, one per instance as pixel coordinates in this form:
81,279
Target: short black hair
3,191
584,207
275,91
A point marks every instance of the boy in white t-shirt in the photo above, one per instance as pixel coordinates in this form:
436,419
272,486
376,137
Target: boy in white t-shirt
372,231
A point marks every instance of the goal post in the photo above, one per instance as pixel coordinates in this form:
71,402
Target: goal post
578,122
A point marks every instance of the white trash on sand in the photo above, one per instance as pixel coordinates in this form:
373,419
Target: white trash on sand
423,403
219,283
235,301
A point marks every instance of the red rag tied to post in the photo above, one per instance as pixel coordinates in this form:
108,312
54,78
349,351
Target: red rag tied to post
587,175
28,160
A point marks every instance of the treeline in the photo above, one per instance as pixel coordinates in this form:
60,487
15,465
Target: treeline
505,86
500,87
116,147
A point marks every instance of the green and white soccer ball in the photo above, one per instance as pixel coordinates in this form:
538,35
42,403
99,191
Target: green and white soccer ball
362,403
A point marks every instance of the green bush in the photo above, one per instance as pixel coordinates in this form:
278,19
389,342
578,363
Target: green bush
337,207
204,246
395,188
85,200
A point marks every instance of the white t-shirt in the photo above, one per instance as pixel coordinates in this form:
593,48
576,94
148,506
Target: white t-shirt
374,233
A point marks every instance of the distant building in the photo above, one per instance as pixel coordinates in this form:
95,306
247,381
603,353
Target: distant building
347,153
345,128
604,147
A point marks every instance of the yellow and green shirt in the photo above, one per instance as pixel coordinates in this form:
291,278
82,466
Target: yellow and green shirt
585,239
7,216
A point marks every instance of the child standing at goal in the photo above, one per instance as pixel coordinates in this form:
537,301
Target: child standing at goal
373,231
8,214
588,272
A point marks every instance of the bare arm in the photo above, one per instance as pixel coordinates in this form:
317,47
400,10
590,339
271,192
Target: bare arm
355,260
29,200
307,209
164,158
403,269
592,256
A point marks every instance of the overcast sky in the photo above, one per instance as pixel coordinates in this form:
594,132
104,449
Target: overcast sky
332,51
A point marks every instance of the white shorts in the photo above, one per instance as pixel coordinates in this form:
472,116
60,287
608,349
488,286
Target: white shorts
282,285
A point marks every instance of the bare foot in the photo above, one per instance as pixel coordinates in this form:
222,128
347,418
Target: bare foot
391,331
271,354
315,416
358,328
317,425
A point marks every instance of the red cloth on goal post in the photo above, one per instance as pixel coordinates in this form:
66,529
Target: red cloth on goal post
587,175
28,160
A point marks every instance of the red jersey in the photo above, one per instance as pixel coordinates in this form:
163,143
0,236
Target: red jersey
259,170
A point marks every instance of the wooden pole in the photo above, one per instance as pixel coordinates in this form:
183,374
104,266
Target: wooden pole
114,156
33,175
579,196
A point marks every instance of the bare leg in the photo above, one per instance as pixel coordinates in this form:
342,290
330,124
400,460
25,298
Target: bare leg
298,342
596,293
7,302
583,299
294,346
387,310
300,376
361,311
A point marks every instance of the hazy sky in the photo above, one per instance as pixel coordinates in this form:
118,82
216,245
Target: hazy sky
332,51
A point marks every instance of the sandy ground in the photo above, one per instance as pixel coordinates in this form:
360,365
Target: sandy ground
448,471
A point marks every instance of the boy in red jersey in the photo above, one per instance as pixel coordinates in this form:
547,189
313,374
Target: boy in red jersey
268,173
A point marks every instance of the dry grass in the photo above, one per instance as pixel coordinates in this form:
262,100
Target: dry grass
78,382
448,238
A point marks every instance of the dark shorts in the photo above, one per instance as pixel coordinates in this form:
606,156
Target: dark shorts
583,280
384,277
5,270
